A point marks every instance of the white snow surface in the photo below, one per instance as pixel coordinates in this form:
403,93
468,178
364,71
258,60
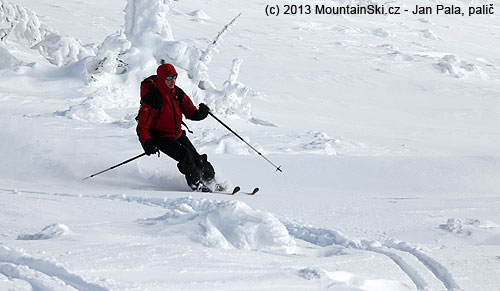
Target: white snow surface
386,128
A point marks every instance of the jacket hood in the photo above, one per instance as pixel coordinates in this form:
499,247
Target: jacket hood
162,72
165,70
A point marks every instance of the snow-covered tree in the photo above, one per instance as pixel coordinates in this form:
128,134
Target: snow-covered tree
23,24
146,41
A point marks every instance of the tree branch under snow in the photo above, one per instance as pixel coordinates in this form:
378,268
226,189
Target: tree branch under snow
213,47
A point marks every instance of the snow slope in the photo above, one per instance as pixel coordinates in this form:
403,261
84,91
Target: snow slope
386,128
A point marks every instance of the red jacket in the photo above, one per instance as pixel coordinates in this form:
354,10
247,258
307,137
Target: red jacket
161,110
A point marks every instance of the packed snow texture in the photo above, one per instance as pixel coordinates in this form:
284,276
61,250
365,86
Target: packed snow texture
385,128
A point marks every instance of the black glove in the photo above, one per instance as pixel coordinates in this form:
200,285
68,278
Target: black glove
203,109
201,113
149,147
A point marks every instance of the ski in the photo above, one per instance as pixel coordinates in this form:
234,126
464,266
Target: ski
219,188
236,190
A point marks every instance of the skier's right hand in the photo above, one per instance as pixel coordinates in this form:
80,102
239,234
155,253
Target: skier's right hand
149,147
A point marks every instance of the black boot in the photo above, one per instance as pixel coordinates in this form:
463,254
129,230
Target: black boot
195,183
206,169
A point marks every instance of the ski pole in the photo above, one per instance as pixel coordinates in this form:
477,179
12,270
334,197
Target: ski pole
115,166
228,128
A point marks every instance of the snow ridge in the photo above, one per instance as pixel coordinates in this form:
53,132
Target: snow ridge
223,224
233,224
48,232
35,271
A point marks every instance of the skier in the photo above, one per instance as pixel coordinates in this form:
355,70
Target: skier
159,127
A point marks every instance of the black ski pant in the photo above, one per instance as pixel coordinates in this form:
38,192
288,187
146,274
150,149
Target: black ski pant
182,150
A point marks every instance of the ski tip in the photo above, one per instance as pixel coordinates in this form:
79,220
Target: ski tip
255,190
236,190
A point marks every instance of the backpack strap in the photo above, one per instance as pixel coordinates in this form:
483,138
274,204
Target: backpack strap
153,97
187,127
179,96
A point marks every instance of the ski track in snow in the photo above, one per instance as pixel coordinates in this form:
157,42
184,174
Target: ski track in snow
390,248
409,258
41,274
419,282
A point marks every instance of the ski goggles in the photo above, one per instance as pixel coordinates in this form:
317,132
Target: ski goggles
173,77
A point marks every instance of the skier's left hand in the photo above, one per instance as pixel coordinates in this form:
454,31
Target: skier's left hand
203,109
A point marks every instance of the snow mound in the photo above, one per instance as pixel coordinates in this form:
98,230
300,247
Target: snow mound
7,60
48,232
98,100
223,224
199,15
457,225
427,33
349,281
317,142
352,281
486,224
89,110
223,144
311,273
454,225
320,142
380,32
313,142
452,65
